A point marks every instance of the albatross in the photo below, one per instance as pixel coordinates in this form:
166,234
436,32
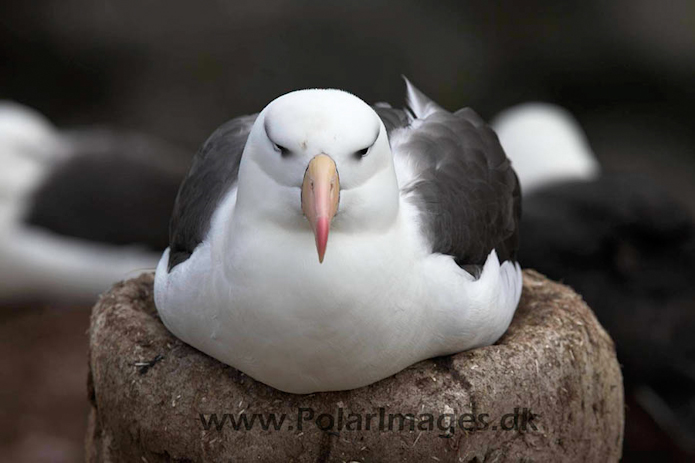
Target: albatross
546,144
324,244
625,244
80,208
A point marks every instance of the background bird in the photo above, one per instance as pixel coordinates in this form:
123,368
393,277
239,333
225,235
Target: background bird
79,209
624,243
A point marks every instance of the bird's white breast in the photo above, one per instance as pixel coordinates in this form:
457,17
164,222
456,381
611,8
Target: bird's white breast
256,298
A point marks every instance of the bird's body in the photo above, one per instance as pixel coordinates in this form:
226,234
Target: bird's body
302,332
248,290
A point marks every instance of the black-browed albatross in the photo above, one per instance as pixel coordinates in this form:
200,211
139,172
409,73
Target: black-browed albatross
625,244
80,209
423,210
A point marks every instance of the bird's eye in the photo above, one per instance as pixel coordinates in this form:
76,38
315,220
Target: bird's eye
362,153
281,149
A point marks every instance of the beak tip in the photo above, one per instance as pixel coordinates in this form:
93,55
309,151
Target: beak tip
322,227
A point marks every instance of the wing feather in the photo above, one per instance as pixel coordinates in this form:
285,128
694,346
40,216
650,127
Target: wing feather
462,183
214,171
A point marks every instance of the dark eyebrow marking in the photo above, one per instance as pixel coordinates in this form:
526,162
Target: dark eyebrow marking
265,127
376,136
284,152
363,152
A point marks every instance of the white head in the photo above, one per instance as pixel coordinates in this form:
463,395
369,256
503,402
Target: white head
28,141
23,128
546,144
319,159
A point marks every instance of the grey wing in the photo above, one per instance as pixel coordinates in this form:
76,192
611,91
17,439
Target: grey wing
391,117
462,183
213,172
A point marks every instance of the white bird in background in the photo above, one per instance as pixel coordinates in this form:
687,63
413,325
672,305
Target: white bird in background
624,243
422,208
546,144
79,210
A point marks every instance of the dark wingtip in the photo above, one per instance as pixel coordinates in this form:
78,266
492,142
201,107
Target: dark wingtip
417,103
176,258
408,104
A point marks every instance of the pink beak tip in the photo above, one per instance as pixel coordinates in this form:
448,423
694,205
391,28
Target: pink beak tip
322,226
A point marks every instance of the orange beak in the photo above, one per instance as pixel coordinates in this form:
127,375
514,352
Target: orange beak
320,195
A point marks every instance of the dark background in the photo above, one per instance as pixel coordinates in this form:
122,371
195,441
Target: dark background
175,69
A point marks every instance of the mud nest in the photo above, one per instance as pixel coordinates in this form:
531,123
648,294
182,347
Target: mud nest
549,390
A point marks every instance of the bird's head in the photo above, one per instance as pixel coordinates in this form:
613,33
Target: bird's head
319,160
